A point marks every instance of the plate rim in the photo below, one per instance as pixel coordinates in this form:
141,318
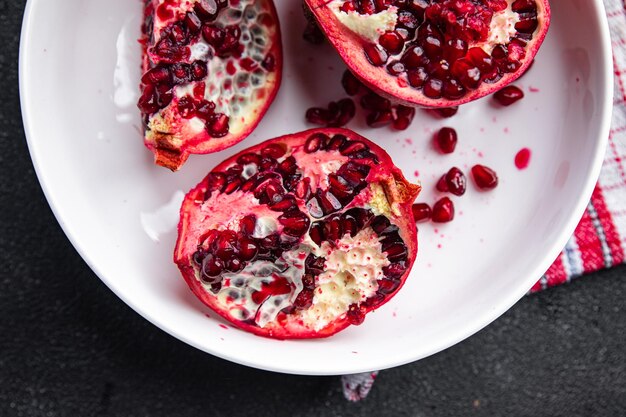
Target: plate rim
480,322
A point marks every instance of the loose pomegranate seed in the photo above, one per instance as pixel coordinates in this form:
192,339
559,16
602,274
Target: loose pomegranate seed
338,113
421,212
443,211
456,181
484,177
442,185
444,112
446,140
318,116
403,117
313,34
379,118
350,83
508,95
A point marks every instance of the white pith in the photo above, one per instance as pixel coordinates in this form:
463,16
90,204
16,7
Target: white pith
350,276
236,95
317,166
368,27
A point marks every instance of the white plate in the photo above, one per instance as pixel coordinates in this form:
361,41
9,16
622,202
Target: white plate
79,69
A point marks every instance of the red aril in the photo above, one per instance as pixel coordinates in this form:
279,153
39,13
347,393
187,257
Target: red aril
211,70
484,177
446,139
456,181
437,53
421,212
508,95
443,211
299,236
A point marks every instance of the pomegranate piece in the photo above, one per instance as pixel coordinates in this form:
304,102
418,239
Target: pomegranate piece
443,211
211,70
421,212
446,139
299,236
508,95
484,177
434,53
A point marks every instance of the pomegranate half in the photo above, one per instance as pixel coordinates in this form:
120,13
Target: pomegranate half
211,70
299,236
434,53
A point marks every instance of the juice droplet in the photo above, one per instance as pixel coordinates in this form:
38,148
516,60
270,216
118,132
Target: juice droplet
522,159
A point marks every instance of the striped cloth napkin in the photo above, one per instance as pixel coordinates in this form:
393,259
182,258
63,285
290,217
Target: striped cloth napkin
600,238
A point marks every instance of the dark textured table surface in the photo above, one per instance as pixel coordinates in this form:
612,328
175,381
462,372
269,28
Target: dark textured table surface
70,347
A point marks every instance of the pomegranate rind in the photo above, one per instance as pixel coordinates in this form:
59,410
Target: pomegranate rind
399,192
172,139
349,46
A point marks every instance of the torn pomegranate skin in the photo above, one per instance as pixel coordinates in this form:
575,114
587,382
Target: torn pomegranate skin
193,49
312,209
436,53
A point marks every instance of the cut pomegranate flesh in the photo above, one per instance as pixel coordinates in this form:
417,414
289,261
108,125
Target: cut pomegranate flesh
299,236
211,70
434,53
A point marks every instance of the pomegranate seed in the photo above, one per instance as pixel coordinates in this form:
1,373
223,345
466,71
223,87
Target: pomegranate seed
417,77
212,266
404,117
193,22
314,142
454,49
186,107
446,140
377,56
456,181
346,111
395,68
304,300
313,34
379,119
350,83
442,185
354,315
392,42
199,70
415,57
217,125
508,95
373,101
318,116
274,151
445,112
421,212
443,211
484,177
432,88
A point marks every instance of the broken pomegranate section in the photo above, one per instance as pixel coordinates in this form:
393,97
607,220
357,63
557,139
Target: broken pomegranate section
211,70
299,236
434,53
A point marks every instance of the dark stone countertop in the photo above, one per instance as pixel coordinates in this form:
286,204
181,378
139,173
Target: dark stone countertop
70,347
